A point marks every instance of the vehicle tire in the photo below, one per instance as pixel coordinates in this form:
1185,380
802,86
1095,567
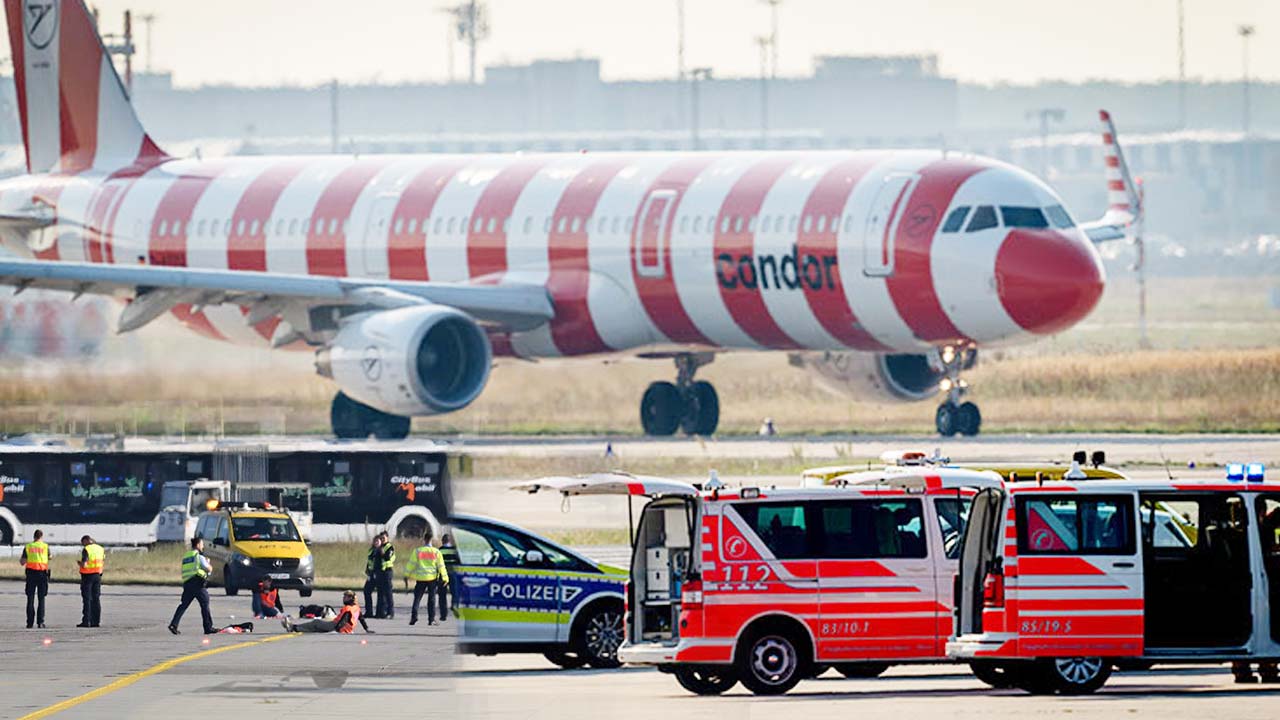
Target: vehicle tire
304,592
994,675
6,533
661,409
702,411
598,634
945,419
385,426
229,582
862,671
706,681
566,660
1077,675
968,419
347,417
770,662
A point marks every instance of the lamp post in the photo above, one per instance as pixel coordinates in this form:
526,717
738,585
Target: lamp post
1245,32
696,76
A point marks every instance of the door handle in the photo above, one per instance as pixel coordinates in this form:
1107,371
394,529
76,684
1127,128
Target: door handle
1124,564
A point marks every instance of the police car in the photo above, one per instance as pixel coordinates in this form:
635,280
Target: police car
518,592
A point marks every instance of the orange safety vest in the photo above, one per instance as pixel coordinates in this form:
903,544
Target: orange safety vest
350,627
96,558
37,555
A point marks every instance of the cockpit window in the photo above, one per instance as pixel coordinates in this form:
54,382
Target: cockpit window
983,218
1059,218
955,220
1023,217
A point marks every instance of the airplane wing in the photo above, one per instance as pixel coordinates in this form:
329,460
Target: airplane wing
1124,202
154,290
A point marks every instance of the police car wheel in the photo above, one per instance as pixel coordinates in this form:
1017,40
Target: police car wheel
600,634
568,661
769,663
968,419
706,681
1077,675
945,419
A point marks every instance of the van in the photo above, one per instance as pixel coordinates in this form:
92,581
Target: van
245,543
1060,582
766,586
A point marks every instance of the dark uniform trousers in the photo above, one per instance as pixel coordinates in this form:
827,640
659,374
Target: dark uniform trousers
431,589
91,599
37,588
193,589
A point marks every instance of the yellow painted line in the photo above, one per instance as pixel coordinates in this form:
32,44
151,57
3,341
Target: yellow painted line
128,680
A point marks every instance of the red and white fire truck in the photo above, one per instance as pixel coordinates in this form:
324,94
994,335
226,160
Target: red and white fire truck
764,585
1061,581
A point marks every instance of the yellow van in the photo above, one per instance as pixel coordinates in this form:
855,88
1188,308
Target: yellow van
246,543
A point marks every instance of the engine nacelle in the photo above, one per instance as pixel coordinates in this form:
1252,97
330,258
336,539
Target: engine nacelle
901,377
410,361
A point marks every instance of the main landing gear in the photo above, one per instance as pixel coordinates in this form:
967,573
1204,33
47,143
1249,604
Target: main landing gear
955,416
354,420
686,405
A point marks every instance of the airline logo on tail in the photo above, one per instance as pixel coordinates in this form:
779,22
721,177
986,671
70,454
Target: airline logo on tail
41,23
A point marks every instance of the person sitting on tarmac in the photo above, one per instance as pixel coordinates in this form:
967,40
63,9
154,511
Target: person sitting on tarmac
344,623
266,600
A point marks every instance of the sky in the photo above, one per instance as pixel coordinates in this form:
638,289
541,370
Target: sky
306,42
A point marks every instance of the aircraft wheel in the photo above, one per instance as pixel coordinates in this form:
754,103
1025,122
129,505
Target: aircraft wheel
946,419
702,410
661,409
347,418
968,419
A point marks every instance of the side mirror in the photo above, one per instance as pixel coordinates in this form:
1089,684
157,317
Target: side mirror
534,557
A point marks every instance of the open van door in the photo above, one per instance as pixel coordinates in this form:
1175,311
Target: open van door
979,557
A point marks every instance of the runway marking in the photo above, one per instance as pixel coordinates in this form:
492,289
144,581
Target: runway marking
128,680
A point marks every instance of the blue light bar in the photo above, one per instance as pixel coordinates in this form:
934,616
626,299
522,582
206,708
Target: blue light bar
1235,472
1253,472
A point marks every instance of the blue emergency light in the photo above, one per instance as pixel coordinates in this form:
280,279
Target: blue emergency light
1235,472
1253,472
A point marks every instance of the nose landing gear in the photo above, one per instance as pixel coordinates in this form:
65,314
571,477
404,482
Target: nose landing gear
687,405
953,415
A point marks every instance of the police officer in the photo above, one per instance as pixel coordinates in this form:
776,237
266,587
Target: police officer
371,564
92,560
35,559
195,571
386,569
448,594
426,569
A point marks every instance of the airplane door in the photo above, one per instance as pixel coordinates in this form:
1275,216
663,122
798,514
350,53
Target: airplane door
651,233
882,223
377,239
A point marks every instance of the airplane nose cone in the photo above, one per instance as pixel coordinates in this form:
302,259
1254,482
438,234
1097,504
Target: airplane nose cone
1047,281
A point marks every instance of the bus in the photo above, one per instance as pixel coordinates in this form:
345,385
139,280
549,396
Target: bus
118,491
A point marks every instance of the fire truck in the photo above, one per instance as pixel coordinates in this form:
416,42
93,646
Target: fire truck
765,585
1059,582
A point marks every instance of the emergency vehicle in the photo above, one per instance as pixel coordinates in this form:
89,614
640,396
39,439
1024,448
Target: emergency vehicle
1058,582
764,586
520,592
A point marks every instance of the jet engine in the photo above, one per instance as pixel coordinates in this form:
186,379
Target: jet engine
410,361
898,376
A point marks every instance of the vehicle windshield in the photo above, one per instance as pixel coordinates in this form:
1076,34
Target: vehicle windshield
264,528
172,495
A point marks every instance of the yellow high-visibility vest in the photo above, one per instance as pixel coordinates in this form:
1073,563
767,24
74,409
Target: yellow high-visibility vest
37,555
193,565
426,564
95,560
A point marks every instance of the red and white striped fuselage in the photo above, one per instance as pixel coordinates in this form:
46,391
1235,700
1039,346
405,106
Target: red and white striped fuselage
770,250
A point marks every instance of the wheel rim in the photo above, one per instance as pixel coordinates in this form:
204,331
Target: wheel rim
1078,670
773,660
604,635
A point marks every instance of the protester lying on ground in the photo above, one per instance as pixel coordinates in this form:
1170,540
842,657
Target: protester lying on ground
344,623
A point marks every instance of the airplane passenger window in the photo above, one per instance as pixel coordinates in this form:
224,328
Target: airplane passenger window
601,223
983,218
1058,217
254,227
617,225
764,224
200,228
560,226
737,223
506,225
280,226
751,224
398,227
160,229
306,226
808,223
493,224
439,226
631,222
528,225
848,223
1023,217
955,220
724,224
697,224
240,227
575,225
791,226
822,223
413,225
452,222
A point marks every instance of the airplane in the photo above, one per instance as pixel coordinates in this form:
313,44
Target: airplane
408,275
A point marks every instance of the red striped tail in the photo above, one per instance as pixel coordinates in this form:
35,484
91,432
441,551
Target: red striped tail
75,112
1122,194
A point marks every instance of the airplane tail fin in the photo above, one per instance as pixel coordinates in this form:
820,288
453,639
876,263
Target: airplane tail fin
1124,204
74,110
